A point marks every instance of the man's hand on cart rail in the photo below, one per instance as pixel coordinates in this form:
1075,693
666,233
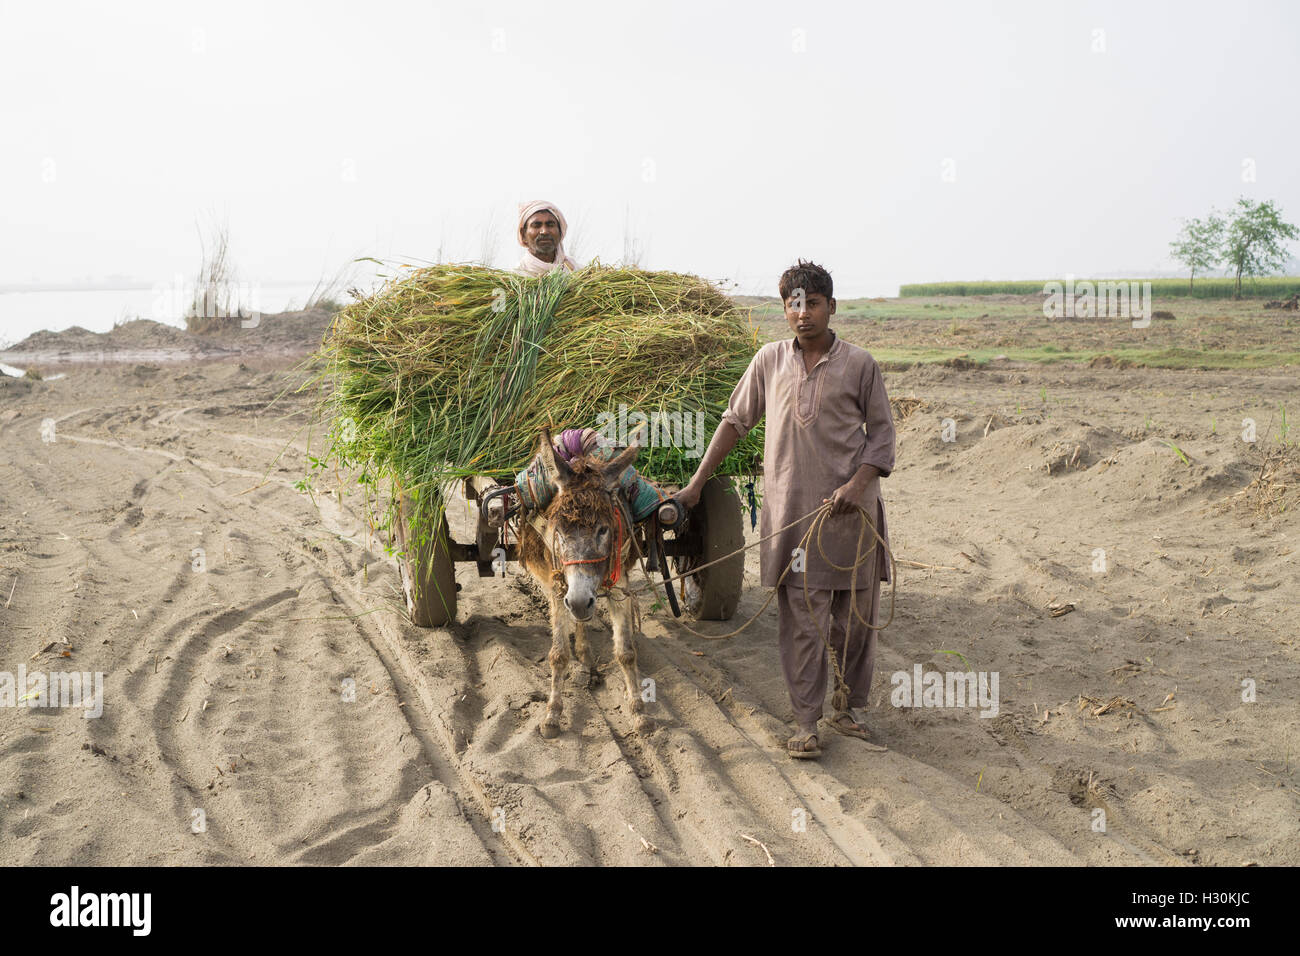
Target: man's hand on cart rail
724,439
689,496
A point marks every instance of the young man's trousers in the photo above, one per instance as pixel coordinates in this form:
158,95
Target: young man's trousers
803,650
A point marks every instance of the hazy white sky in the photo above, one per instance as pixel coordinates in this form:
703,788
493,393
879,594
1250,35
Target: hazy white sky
889,141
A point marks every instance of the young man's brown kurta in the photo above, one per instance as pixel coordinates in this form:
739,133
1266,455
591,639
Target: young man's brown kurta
821,427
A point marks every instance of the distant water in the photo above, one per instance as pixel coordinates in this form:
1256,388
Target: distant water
18,373
22,313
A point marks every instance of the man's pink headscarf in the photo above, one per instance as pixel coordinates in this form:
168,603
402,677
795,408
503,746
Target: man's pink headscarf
530,264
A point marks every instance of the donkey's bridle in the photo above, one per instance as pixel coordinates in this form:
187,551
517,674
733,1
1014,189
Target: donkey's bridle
623,521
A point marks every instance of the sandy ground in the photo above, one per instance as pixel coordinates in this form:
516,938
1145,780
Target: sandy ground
224,686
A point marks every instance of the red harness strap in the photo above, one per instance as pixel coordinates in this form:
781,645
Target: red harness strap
616,556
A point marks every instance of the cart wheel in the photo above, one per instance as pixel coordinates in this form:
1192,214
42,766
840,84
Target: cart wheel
428,575
714,593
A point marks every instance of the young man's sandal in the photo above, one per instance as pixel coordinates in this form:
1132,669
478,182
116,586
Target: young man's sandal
848,723
804,746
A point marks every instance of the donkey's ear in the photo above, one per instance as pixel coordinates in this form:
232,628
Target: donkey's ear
555,466
614,469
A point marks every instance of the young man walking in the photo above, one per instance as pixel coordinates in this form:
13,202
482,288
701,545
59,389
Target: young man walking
829,437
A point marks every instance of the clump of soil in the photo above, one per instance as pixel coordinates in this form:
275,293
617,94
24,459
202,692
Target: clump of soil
14,386
904,405
1108,361
1273,489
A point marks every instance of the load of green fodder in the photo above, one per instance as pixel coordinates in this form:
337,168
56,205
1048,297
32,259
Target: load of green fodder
451,371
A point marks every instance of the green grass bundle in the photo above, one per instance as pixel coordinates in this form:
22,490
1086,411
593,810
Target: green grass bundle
452,370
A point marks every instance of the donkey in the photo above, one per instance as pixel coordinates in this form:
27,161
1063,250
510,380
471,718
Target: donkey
581,544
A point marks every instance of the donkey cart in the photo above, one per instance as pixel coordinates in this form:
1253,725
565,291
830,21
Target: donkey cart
671,543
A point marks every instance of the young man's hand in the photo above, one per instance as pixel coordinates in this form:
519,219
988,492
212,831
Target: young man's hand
861,492
689,496
724,439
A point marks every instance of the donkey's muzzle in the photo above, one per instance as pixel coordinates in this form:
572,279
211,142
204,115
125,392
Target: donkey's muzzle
580,609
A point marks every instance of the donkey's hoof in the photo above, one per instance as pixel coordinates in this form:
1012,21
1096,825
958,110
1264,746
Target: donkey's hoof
645,725
550,729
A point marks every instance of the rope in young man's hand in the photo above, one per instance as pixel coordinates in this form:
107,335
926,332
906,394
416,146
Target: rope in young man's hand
815,529
840,698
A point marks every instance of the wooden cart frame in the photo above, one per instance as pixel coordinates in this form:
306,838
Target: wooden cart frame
713,529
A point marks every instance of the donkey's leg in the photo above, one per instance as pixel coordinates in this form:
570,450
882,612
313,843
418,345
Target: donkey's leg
625,654
585,671
559,657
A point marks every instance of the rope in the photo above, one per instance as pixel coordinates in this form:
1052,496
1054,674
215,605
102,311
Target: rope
840,699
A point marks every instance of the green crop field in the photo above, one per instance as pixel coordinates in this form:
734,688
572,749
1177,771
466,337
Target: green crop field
1216,287
974,331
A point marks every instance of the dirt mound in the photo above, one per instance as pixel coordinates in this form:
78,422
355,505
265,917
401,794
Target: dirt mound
1159,472
1130,470
1049,449
926,374
74,339
133,335
285,330
148,334
1108,361
1148,473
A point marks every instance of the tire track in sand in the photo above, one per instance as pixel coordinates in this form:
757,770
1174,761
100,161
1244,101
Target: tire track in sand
308,789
